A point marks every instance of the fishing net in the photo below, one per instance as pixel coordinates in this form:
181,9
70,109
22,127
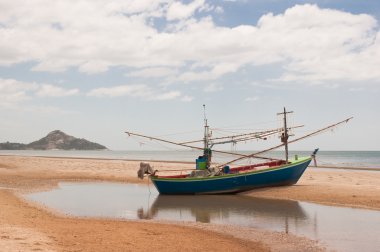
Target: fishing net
145,168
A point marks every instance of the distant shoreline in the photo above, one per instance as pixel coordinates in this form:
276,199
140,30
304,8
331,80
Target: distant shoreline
102,159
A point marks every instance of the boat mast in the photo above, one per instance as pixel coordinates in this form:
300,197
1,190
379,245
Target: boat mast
207,148
206,133
284,134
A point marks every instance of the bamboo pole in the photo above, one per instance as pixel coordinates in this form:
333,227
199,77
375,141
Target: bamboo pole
292,141
193,147
247,134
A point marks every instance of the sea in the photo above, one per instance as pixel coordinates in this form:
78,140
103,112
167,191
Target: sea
357,159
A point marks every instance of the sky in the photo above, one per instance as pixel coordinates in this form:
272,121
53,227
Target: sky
96,68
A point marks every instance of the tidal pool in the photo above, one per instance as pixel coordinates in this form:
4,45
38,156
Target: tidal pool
339,228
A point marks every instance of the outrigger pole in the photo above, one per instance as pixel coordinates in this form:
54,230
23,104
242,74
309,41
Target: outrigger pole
292,141
192,147
244,137
206,141
185,144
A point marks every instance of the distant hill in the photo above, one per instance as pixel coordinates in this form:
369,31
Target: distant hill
55,140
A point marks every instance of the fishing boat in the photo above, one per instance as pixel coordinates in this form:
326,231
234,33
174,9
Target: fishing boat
209,178
239,179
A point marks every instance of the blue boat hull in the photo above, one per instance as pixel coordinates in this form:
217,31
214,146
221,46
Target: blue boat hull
233,183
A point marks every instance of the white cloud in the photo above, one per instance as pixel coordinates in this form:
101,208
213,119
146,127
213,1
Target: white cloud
153,72
213,87
322,44
12,92
137,90
214,73
311,44
165,96
177,10
54,65
47,90
95,66
219,9
187,98
132,90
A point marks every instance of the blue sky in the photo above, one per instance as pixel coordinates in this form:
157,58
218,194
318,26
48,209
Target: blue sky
97,68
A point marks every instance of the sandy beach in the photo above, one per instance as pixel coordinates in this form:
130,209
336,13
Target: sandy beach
27,227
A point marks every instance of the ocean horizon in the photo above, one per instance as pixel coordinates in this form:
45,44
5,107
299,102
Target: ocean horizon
365,159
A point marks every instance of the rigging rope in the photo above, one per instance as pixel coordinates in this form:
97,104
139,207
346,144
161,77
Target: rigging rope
192,147
292,141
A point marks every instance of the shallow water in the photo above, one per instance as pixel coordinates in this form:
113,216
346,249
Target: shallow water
342,229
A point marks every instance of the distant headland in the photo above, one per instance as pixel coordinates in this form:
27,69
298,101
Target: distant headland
55,140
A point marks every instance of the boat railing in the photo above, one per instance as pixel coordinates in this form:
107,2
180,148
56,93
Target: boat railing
174,173
183,173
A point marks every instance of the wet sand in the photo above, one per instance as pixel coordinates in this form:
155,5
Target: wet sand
25,227
349,188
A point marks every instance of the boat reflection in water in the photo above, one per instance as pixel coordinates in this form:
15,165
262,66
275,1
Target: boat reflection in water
231,209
